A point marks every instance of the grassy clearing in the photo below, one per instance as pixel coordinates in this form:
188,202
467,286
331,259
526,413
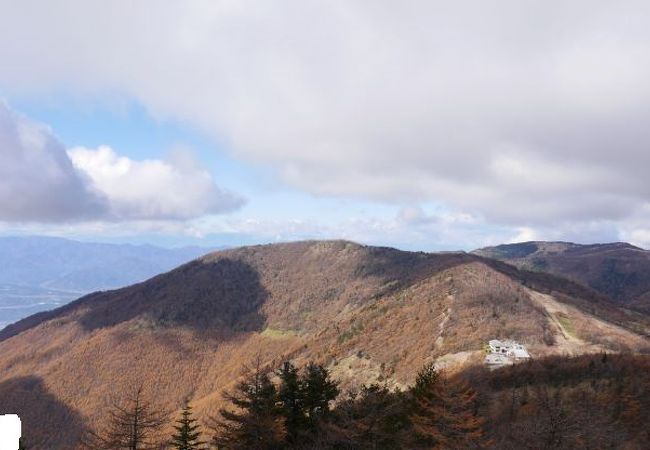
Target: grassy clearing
567,324
276,333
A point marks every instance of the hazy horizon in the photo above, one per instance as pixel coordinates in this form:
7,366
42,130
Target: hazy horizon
231,242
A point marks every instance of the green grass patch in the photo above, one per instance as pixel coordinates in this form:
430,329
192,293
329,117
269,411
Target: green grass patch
276,333
566,324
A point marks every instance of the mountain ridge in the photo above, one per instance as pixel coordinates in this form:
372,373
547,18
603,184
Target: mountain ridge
618,270
369,314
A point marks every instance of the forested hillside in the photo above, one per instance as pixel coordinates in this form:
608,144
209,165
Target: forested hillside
618,270
366,315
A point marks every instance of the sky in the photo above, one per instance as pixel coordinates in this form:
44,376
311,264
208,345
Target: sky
424,125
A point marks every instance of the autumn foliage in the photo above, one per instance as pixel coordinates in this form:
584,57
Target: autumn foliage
369,317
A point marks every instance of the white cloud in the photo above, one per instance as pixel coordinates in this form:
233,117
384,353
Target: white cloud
411,228
152,189
520,112
636,230
38,181
42,182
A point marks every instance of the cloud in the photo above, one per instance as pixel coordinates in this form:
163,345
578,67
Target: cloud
152,189
636,230
42,182
411,228
579,232
415,216
39,182
519,112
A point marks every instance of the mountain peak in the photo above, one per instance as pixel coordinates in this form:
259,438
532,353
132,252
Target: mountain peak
619,270
368,314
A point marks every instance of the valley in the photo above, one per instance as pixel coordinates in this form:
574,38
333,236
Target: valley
17,302
41,273
367,314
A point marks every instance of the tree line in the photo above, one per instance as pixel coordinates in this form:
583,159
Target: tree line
585,402
303,408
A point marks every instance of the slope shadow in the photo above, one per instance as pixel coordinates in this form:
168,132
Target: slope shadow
405,269
47,422
225,294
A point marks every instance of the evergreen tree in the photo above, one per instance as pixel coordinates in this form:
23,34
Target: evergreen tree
426,378
372,419
187,431
318,390
290,396
257,423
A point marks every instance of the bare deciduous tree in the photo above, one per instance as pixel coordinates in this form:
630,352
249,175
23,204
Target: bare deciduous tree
133,424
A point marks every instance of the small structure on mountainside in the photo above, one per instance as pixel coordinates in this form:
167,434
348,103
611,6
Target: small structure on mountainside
501,353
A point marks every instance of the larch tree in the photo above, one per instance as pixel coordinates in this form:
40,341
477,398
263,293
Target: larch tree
134,424
443,414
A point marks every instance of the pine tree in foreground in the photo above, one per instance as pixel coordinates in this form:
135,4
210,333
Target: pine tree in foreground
291,401
255,423
373,418
318,390
187,431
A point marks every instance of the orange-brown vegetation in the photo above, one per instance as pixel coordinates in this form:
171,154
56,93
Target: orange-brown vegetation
367,314
618,270
589,401
585,402
132,423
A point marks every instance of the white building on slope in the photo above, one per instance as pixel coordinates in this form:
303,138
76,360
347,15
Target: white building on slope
505,352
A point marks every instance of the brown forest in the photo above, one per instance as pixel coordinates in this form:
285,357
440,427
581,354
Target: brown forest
367,315
587,402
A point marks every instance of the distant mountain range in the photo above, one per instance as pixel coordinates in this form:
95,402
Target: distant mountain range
369,314
619,270
38,273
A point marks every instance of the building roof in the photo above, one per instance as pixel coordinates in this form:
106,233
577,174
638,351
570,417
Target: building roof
509,348
497,358
520,352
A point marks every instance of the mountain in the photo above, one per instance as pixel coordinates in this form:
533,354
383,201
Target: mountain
38,273
618,270
367,313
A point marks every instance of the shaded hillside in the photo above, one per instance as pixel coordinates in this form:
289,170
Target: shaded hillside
619,270
586,402
18,395
368,314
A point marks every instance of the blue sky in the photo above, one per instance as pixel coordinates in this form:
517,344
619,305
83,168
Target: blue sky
126,126
432,126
